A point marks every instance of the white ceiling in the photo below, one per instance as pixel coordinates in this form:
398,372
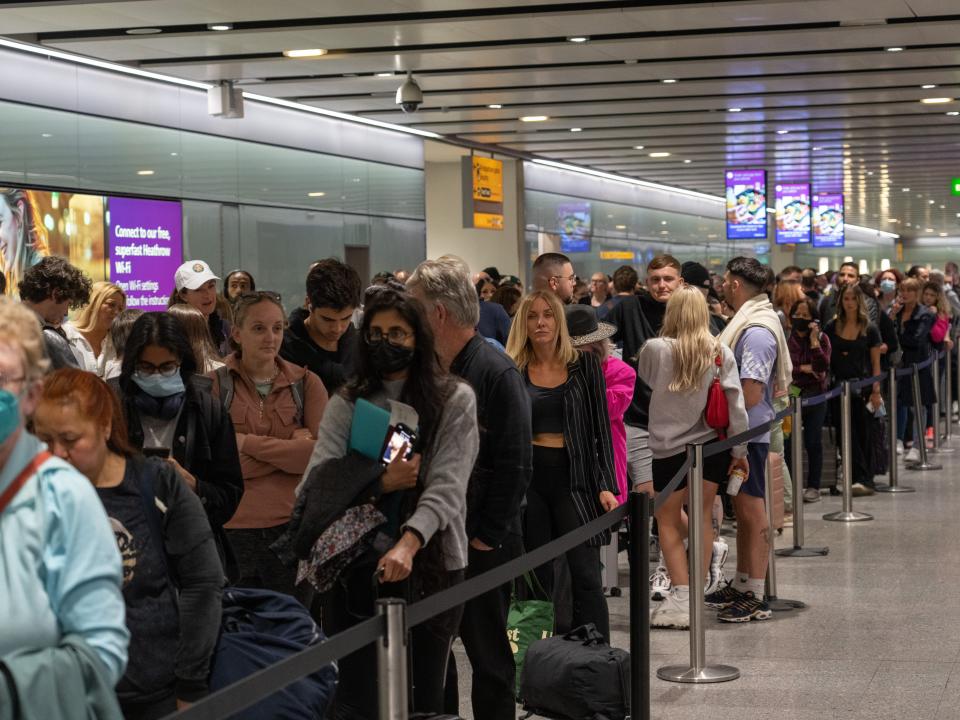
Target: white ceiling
816,68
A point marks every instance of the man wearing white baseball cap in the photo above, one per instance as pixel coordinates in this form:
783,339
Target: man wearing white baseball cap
197,286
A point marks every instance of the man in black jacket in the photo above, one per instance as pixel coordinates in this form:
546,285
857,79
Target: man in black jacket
499,479
50,288
321,336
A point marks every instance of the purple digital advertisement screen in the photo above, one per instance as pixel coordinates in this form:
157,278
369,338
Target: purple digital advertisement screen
146,248
746,192
793,213
828,220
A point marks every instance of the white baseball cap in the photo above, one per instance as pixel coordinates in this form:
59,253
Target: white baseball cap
193,274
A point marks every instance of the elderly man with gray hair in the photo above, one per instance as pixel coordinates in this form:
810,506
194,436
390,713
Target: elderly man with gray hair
500,475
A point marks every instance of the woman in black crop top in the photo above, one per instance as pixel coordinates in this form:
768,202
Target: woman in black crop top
573,472
854,354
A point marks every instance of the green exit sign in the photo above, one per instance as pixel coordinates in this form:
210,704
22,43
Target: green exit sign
955,186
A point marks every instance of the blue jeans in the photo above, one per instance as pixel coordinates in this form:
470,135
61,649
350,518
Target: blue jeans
813,419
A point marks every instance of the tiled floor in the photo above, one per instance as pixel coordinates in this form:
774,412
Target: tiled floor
880,637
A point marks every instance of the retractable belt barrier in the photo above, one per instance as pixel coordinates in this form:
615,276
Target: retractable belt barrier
241,695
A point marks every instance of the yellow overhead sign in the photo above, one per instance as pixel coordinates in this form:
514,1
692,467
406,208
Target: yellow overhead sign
616,255
482,193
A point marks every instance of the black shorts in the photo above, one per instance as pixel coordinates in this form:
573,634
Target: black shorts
714,469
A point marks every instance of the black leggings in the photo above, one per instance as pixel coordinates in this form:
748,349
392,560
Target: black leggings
551,513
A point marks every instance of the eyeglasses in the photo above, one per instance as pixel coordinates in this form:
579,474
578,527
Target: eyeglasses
572,278
168,369
395,335
7,380
257,295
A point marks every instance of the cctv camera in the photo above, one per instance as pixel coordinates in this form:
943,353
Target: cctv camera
409,95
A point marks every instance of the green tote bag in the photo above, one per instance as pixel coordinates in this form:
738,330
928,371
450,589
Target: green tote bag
528,621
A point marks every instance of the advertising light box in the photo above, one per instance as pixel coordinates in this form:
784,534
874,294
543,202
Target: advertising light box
746,192
793,213
573,220
145,238
828,229
38,223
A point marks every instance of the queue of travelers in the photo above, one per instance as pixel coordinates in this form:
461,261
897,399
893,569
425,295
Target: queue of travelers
397,441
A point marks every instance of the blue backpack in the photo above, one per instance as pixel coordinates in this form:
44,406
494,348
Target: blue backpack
260,628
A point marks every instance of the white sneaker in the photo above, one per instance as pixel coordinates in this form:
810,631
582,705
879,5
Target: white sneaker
717,560
660,582
913,455
899,447
673,612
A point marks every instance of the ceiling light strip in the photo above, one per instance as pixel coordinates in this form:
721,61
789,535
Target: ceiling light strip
340,116
102,64
170,79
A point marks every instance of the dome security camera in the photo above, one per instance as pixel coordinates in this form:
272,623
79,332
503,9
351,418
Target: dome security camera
409,95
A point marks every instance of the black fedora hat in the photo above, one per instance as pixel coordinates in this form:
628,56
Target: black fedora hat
583,326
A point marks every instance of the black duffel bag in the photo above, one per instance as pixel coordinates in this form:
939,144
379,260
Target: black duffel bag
576,676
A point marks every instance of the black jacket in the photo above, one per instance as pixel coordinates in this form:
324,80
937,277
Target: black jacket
638,319
586,436
334,369
888,333
194,566
914,334
503,468
204,444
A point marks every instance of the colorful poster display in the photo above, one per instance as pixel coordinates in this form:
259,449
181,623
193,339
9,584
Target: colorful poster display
793,213
746,192
145,239
38,223
573,220
828,220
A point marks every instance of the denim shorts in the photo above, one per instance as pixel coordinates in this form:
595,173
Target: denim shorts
756,485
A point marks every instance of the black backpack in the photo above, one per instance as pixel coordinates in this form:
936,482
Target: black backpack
226,392
576,676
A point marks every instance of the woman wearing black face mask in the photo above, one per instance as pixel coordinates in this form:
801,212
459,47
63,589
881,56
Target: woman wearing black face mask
810,353
423,499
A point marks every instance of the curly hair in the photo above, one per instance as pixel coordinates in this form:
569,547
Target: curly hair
54,277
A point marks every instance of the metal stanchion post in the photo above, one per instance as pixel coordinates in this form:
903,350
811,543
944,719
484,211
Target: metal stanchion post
846,451
894,486
698,671
939,405
392,661
776,604
920,441
796,438
946,401
640,606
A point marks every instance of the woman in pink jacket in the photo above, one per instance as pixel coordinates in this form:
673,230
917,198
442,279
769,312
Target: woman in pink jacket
276,408
588,334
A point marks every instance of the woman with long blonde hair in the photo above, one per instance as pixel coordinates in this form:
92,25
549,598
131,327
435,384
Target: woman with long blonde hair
573,468
23,237
679,366
89,333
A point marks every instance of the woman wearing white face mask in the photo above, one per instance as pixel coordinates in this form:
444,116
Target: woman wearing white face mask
61,611
171,413
887,283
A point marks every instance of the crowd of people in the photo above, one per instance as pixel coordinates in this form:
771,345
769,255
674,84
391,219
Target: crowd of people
148,460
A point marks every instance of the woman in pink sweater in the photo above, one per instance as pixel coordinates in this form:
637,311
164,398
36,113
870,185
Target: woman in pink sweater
589,335
276,408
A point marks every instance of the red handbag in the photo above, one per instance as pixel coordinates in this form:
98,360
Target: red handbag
717,412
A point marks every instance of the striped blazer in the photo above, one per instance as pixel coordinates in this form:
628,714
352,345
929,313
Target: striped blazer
586,435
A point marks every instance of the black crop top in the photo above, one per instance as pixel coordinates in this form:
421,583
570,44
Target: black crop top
546,405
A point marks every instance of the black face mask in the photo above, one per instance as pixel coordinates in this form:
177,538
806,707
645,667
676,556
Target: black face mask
800,324
388,358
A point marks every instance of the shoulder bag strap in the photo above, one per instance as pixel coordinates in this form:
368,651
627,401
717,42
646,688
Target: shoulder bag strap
20,480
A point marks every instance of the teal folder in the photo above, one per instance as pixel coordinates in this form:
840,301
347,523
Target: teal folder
369,429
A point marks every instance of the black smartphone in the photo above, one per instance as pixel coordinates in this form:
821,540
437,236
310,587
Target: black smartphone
158,452
398,436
